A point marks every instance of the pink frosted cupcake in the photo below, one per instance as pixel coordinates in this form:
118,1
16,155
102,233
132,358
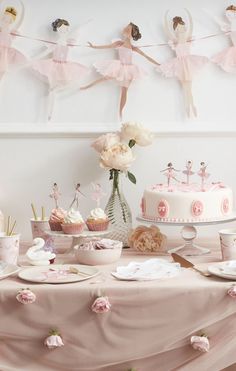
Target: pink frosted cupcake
56,219
97,220
73,223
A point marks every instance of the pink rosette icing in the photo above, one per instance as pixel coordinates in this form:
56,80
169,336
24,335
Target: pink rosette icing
54,340
25,296
101,305
200,343
57,215
232,292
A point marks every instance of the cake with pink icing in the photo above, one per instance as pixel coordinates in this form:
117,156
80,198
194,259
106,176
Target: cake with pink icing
186,201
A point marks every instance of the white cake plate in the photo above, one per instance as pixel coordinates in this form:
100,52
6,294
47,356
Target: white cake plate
189,233
76,238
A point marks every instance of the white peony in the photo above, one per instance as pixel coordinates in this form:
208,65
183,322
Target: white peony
105,141
136,132
118,157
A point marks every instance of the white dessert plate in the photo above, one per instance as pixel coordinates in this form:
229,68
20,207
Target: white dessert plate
225,269
58,273
9,270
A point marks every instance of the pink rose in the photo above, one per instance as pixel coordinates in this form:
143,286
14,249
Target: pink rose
232,292
101,305
25,296
118,157
54,340
200,343
105,141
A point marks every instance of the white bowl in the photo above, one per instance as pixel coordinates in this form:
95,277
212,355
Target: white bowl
98,257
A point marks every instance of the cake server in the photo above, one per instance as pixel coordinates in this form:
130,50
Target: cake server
187,264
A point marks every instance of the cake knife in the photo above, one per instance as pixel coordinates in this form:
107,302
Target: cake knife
187,264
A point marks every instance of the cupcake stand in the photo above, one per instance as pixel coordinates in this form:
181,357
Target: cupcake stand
189,234
77,238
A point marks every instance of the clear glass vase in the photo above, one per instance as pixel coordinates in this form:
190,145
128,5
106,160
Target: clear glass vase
118,211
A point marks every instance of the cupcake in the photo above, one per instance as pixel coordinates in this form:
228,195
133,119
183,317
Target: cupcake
73,222
56,219
97,220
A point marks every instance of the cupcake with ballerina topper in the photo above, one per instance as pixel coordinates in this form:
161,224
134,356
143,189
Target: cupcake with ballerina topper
97,220
57,214
73,221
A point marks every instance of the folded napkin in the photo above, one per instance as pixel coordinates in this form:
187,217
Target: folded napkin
3,265
99,244
229,267
150,269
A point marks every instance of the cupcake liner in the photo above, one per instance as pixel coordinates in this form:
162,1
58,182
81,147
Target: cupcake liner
73,228
97,225
55,226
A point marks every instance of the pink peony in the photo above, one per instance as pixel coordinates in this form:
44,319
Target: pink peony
232,292
54,340
101,305
118,157
25,296
105,141
200,343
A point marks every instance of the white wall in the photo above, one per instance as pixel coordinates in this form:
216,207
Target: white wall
29,165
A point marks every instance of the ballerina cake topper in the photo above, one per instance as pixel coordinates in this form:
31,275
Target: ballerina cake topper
185,65
77,194
203,175
188,172
169,172
97,193
121,70
55,194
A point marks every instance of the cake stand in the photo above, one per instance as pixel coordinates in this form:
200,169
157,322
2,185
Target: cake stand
189,233
77,238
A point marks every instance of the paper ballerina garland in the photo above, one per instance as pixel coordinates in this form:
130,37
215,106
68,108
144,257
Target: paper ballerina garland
185,66
58,72
10,21
226,59
122,70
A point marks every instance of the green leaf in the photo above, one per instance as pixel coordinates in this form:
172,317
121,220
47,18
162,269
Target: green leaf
131,177
132,143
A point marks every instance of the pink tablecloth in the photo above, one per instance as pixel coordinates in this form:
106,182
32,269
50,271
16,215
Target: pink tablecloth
148,328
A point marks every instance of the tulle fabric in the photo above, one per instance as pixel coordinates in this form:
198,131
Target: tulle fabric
226,59
10,57
122,70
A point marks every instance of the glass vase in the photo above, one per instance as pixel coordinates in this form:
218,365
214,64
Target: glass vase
118,211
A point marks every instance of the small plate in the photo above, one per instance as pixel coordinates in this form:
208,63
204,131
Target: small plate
9,271
216,269
57,273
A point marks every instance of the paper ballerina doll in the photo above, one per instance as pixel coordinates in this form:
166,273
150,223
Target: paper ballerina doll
97,193
185,65
77,194
122,70
226,59
10,21
55,194
188,172
203,175
169,172
58,71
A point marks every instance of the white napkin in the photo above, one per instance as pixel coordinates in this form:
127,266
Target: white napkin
151,269
229,267
3,266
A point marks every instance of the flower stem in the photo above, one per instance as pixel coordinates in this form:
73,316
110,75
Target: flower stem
116,188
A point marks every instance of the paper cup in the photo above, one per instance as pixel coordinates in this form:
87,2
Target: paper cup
39,228
228,244
9,248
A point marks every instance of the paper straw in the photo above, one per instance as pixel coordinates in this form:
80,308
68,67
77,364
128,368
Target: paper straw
8,225
12,229
34,212
43,213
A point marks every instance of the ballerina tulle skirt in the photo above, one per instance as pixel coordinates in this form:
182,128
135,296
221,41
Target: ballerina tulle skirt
226,59
183,68
124,74
9,57
60,72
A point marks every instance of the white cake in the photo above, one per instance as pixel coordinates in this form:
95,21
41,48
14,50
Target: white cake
187,203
